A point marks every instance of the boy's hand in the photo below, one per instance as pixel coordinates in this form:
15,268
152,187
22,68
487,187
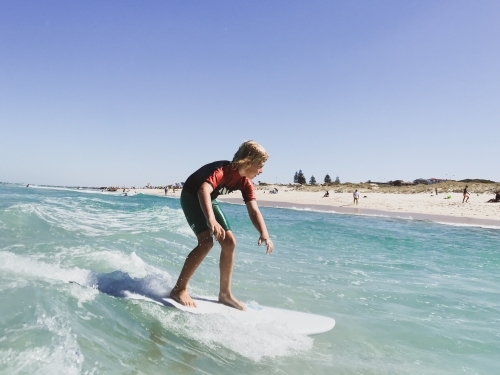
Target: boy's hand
218,232
269,244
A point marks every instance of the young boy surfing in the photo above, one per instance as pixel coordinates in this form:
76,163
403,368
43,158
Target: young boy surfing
205,217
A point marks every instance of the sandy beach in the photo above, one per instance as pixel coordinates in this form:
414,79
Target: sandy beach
423,206
415,206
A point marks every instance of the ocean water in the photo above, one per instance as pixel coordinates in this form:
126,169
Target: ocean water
409,297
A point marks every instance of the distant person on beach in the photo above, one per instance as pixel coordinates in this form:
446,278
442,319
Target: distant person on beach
496,200
436,191
356,196
206,218
166,190
466,195
327,194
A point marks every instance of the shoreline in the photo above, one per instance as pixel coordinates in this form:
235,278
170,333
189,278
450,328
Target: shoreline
447,219
404,206
415,206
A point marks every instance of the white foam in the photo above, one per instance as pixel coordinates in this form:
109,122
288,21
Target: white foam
306,209
359,272
62,356
30,268
470,225
253,340
129,263
76,190
83,295
90,220
20,265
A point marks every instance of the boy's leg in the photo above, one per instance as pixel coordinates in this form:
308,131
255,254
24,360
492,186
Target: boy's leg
228,246
179,292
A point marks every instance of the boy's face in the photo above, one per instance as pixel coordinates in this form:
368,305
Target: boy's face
254,169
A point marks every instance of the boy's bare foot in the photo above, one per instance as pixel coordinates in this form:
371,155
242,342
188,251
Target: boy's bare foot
229,300
182,297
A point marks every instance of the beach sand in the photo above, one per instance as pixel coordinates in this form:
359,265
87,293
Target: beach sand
423,206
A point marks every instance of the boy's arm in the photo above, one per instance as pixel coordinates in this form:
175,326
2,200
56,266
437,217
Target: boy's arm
206,206
260,225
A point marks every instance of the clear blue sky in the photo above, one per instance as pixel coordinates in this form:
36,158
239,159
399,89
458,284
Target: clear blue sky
98,93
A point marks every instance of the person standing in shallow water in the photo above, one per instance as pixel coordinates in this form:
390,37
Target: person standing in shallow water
207,220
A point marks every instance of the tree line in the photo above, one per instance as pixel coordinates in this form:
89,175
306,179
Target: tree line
299,178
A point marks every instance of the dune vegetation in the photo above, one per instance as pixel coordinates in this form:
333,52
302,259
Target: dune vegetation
473,187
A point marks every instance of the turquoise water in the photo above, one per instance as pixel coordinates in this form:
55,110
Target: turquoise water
409,297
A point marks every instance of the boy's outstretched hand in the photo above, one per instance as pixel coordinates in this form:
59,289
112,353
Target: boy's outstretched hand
269,244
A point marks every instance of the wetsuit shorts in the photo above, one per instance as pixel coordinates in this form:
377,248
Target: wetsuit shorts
195,216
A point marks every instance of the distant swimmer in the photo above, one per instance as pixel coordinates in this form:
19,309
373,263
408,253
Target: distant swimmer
28,185
206,218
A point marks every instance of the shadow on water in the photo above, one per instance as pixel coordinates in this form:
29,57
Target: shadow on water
120,284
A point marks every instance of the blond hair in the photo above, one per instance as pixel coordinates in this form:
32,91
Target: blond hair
249,152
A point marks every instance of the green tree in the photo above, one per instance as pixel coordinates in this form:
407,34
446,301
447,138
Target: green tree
301,179
296,178
312,181
328,180
337,180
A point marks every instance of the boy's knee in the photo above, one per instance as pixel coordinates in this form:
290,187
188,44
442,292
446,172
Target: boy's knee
229,241
206,243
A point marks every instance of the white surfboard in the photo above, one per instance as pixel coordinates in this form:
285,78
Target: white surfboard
297,322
